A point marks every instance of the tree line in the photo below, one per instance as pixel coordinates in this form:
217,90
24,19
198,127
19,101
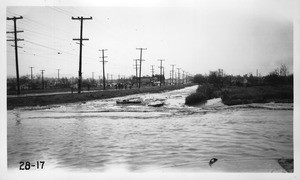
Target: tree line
219,79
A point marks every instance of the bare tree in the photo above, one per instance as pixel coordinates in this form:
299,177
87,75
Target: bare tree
283,71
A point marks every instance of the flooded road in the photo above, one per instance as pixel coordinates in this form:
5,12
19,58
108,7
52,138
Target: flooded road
101,135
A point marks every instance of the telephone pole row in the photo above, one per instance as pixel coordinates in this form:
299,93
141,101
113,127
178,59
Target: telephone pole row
16,47
80,49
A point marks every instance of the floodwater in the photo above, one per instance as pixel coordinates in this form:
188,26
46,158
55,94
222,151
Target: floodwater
100,135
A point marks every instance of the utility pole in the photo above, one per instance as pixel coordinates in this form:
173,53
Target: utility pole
43,79
57,74
175,78
186,77
160,78
183,76
172,73
141,50
103,62
31,77
152,70
80,49
170,77
16,47
136,67
31,73
163,73
99,80
178,75
92,75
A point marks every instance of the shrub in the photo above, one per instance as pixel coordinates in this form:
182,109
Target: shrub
195,98
206,89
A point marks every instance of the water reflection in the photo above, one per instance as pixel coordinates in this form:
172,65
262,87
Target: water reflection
18,119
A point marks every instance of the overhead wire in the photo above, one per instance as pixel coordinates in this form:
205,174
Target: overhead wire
41,30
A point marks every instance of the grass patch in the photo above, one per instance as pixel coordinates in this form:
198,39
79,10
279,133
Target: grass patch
257,94
242,95
202,94
195,98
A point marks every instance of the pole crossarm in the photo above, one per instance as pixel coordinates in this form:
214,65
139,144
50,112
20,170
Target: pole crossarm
13,18
17,46
15,40
83,39
79,18
14,31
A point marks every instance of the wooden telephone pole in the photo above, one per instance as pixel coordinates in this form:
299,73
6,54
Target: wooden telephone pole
152,70
172,73
141,50
161,67
16,48
178,75
43,86
80,49
103,67
31,73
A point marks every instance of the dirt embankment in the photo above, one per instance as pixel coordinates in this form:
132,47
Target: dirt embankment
42,100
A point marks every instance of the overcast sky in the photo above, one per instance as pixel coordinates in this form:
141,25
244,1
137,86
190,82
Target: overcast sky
199,36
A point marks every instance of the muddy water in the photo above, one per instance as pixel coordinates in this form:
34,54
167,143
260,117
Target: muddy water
101,135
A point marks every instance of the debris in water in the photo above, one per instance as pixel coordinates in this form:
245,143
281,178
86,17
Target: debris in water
287,164
129,101
213,160
156,104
